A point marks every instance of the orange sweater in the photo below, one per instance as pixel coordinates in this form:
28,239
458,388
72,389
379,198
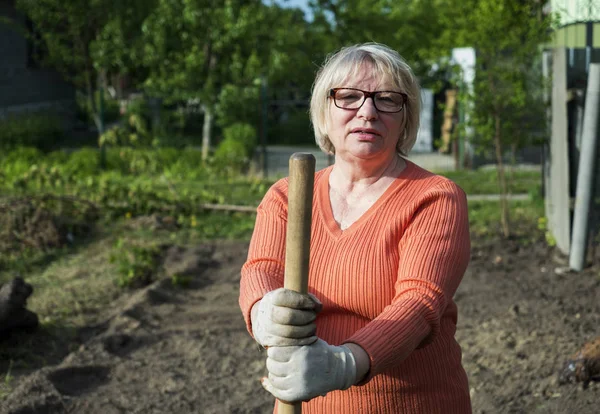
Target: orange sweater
386,284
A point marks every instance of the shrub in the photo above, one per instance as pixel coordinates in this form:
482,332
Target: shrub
294,130
136,264
111,108
39,130
235,151
84,162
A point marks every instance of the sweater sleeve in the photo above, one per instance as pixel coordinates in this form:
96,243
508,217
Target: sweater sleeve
264,268
434,252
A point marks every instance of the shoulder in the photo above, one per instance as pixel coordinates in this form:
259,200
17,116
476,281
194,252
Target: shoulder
427,185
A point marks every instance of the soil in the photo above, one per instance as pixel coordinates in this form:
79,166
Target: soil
173,349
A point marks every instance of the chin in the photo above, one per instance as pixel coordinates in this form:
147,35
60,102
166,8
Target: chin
369,155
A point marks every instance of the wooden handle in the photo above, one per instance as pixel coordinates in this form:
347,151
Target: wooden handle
297,244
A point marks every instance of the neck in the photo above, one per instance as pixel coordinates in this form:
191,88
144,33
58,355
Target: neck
348,175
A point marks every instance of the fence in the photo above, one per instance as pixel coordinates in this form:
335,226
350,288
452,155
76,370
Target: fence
568,69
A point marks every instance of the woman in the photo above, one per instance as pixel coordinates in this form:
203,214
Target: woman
389,247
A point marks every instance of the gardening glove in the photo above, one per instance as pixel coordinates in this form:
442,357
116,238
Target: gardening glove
304,372
285,318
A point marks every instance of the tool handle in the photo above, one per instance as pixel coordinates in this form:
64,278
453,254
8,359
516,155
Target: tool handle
297,244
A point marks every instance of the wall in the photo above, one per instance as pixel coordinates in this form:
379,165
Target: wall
23,86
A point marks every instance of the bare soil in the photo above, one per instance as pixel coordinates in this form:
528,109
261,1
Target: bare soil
168,349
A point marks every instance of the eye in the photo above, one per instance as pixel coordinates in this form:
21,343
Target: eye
390,97
348,95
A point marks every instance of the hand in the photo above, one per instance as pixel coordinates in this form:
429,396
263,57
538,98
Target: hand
302,373
285,318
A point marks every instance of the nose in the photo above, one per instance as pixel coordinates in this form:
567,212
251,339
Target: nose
368,110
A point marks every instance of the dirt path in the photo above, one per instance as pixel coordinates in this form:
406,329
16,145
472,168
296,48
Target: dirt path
172,350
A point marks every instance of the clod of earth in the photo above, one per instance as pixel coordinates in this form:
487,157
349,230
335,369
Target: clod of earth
584,365
13,300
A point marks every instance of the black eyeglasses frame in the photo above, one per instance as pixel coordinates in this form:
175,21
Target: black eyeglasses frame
367,94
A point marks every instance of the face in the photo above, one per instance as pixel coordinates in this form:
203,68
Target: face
365,133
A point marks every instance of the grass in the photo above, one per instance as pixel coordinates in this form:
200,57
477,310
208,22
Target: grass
5,385
485,181
484,217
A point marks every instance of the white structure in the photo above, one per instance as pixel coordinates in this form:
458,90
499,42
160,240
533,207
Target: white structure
574,11
424,141
465,58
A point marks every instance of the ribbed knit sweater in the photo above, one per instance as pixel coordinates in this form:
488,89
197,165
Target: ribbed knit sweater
386,283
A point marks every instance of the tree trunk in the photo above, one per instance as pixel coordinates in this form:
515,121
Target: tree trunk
206,131
91,99
501,178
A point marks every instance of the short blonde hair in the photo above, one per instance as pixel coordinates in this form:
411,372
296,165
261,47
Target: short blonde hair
346,63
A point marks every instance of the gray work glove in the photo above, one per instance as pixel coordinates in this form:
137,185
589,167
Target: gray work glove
285,318
300,373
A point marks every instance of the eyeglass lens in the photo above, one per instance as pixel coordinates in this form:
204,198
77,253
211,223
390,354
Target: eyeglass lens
353,99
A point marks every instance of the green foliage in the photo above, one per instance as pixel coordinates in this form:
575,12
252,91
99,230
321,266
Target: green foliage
136,264
238,104
134,128
484,218
17,161
548,236
506,103
137,182
294,130
181,280
40,130
410,27
111,108
236,149
83,162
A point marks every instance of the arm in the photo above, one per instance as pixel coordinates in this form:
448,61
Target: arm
433,252
274,316
264,268
363,364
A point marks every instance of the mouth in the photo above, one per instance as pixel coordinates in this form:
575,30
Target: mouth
365,131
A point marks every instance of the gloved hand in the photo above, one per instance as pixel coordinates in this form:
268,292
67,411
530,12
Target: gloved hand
304,372
285,318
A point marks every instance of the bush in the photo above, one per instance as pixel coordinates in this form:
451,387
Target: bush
295,130
17,162
111,108
84,162
237,147
136,264
39,130
238,104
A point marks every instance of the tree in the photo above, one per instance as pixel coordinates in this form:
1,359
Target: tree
508,36
68,28
193,48
84,39
410,27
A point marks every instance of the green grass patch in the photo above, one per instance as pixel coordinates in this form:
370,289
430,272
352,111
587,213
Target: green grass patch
524,216
485,181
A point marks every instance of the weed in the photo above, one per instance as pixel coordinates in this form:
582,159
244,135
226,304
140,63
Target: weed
136,264
5,387
181,280
543,227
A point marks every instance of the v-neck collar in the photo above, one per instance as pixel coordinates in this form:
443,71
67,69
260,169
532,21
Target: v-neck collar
326,210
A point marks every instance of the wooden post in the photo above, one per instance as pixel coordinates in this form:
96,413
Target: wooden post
297,244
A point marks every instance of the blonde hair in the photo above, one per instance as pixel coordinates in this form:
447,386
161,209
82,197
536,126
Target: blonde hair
346,63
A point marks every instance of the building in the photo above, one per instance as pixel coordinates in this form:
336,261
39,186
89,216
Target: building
24,84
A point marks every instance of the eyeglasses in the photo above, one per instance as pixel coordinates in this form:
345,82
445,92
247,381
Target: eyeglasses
384,101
